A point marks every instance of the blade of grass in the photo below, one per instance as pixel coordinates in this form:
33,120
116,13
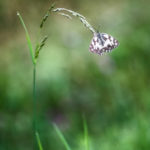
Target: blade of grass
36,136
27,37
62,138
39,141
86,137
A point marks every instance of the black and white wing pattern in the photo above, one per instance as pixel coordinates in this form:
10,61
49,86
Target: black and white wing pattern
102,43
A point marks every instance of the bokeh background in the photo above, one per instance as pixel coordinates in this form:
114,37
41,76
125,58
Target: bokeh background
112,91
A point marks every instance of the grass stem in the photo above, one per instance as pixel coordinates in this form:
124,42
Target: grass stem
34,100
34,77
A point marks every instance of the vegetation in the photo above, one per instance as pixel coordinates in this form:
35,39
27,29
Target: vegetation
111,91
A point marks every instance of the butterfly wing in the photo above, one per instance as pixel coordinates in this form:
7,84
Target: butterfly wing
102,43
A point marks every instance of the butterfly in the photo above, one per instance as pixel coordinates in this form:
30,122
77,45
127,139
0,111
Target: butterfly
102,43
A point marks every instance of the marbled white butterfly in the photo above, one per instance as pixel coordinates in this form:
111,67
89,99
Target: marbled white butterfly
102,43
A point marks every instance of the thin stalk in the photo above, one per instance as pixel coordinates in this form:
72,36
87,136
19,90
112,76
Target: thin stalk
35,131
81,17
34,75
86,137
34,100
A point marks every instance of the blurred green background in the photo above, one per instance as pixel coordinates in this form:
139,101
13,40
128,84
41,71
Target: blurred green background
112,91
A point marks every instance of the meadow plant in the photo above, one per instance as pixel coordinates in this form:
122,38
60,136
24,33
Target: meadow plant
34,56
100,44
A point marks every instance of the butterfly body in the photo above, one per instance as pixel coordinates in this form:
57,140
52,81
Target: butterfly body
102,43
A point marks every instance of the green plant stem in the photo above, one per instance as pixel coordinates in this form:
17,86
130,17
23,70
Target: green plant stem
34,100
35,131
86,137
34,76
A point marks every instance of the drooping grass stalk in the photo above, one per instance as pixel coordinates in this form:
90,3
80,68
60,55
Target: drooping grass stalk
62,138
81,17
70,11
65,15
